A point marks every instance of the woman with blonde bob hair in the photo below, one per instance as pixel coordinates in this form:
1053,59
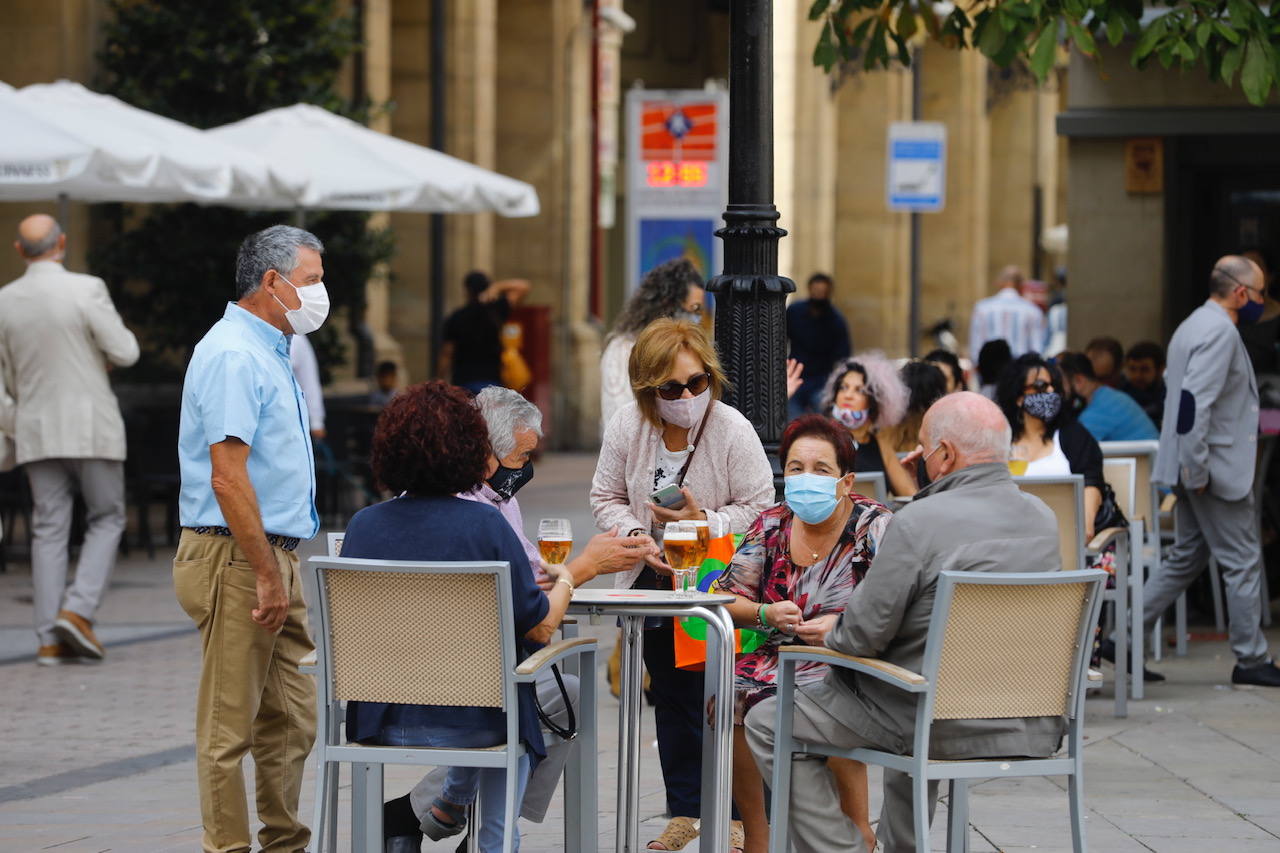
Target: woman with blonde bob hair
677,432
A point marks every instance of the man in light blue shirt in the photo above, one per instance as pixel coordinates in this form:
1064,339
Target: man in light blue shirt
248,498
1009,316
1108,414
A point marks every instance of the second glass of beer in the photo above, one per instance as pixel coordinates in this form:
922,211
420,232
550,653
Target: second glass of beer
555,540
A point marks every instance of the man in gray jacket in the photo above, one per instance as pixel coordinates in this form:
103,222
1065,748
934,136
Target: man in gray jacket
1208,450
970,518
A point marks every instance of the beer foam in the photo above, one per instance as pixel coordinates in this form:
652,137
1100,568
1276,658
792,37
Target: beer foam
680,536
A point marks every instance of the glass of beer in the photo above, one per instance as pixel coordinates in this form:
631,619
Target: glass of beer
555,540
704,540
680,545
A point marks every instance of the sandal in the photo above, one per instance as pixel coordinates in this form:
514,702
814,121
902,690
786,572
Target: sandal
679,832
434,829
737,836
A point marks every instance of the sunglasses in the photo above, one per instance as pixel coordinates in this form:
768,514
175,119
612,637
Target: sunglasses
1038,387
674,390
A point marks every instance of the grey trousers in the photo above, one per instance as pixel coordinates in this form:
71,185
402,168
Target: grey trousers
817,825
546,776
53,486
1229,531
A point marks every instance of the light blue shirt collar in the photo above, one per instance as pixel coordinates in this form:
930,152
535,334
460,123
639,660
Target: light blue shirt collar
269,335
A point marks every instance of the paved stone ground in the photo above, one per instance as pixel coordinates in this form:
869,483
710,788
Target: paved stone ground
99,758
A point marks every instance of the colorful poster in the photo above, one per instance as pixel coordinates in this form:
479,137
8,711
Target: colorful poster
684,131
663,240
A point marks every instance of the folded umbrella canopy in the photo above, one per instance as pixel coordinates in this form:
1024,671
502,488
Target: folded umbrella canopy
133,155
350,167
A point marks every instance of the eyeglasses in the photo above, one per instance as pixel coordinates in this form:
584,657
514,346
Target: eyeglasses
1038,387
674,390
1239,282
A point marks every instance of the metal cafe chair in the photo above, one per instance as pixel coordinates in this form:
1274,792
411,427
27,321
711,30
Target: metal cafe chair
999,646
1065,496
373,645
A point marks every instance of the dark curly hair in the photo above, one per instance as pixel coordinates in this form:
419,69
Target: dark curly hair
824,428
430,440
661,294
1012,385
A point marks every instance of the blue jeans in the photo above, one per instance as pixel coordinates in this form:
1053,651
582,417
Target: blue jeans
462,783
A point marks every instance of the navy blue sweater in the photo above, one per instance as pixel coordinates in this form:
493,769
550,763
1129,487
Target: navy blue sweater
447,529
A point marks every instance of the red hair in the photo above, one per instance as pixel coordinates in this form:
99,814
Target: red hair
824,428
430,440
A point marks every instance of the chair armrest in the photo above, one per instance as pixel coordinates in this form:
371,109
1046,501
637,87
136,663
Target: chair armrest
883,670
1103,538
1167,503
549,654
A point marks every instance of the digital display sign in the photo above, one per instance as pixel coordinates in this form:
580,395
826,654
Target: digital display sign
672,173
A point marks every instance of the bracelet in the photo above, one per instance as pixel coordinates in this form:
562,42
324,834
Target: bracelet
564,580
760,617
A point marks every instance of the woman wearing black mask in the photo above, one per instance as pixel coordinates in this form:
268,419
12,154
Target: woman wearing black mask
1047,444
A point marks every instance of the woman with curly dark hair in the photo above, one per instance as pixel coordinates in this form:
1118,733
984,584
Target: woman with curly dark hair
673,289
431,442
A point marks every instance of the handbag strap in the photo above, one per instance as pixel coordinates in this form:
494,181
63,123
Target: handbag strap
697,442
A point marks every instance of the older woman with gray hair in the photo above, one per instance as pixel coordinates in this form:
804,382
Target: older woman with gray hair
515,425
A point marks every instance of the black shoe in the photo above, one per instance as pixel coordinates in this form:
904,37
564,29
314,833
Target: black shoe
1107,651
1263,675
404,844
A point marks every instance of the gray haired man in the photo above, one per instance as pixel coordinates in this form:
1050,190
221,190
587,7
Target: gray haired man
59,332
1208,450
247,500
964,446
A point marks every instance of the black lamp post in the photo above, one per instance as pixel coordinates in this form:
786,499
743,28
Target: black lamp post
751,329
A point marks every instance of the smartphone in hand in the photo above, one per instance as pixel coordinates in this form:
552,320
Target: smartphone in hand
668,497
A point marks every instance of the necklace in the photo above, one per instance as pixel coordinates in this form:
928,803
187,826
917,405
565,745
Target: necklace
814,555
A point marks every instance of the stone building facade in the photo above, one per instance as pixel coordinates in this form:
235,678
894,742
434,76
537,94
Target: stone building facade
517,93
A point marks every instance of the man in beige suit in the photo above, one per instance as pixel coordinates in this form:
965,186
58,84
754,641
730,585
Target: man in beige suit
59,331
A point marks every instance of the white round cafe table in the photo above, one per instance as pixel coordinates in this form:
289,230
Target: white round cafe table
631,606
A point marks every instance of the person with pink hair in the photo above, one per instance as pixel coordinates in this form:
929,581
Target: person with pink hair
865,395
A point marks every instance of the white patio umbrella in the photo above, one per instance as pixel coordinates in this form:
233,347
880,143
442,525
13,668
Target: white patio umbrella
350,167
138,156
34,153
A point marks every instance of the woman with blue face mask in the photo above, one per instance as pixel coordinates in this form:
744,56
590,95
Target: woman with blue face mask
867,397
792,575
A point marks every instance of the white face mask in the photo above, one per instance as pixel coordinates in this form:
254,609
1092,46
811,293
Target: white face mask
311,314
685,412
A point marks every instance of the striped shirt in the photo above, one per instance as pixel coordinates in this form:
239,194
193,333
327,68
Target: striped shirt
1007,315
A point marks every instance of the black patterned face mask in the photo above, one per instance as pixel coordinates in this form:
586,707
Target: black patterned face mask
1045,405
507,481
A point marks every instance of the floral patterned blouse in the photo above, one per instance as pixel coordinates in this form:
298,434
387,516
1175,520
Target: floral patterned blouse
762,571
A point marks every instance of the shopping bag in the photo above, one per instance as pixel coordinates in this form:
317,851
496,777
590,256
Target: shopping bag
690,632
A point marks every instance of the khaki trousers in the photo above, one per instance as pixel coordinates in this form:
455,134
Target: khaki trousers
252,698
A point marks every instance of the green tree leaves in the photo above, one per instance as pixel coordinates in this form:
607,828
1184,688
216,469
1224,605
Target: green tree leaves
171,271
1222,37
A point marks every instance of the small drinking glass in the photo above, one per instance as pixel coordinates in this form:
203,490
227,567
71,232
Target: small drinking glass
555,540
